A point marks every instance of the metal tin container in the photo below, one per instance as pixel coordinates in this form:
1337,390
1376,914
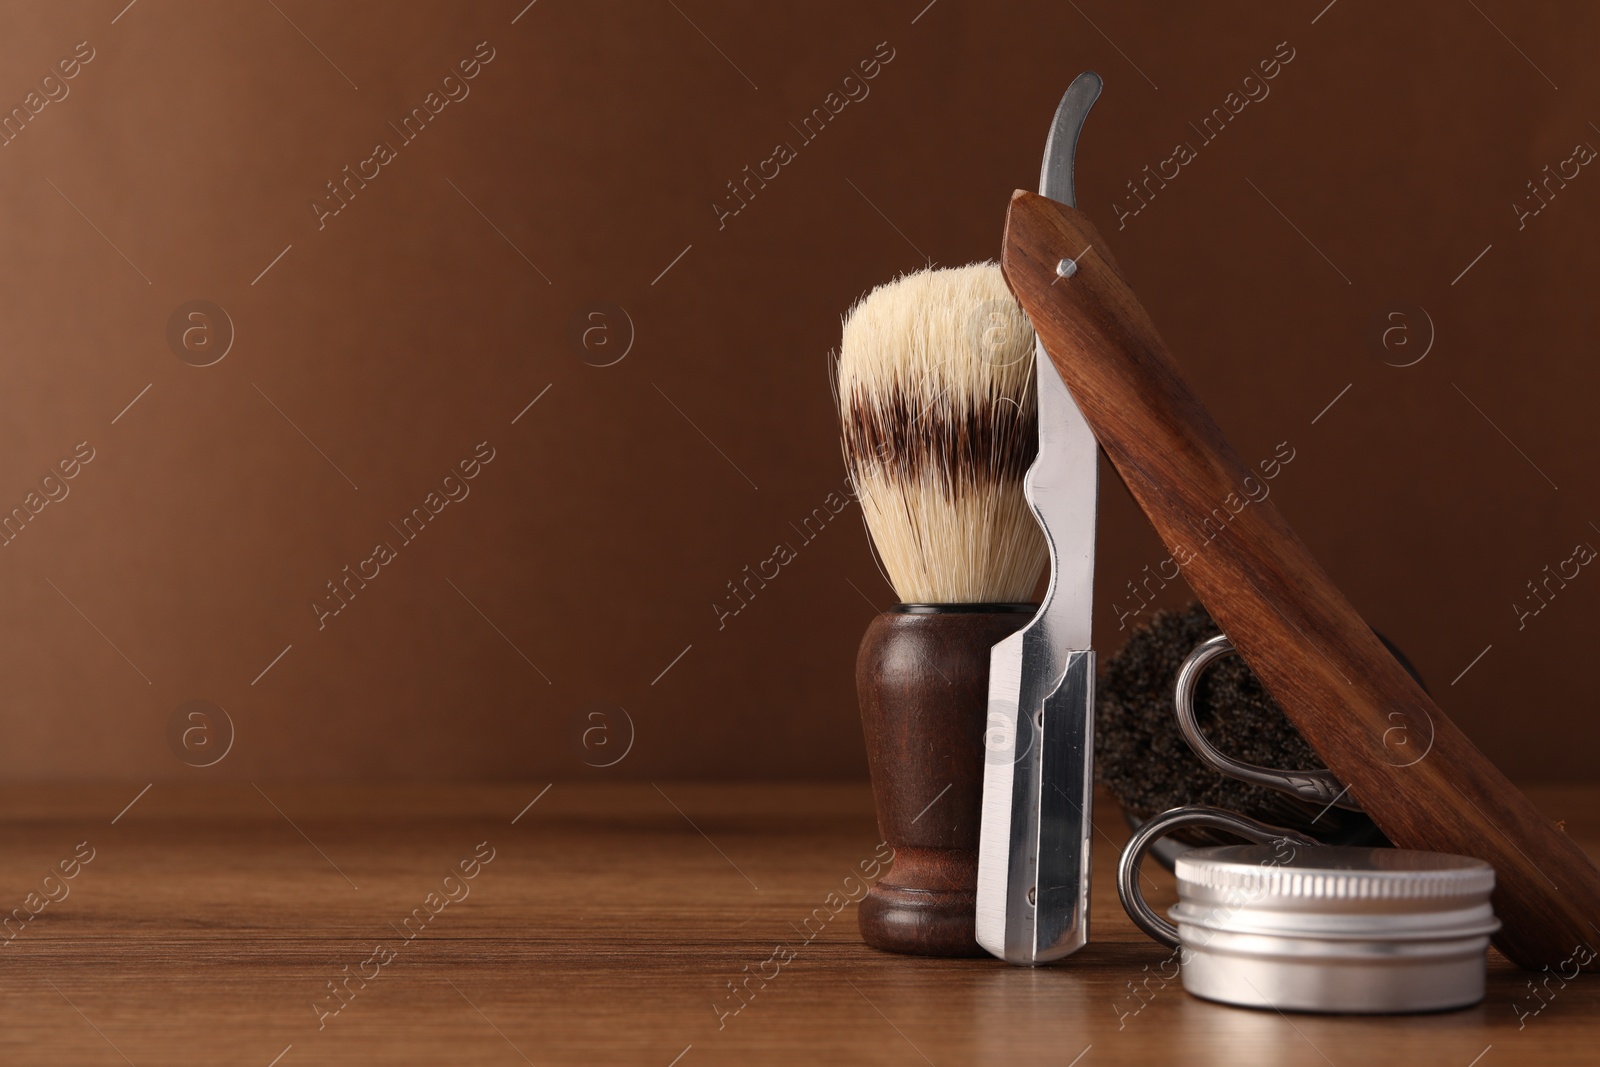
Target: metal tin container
1333,929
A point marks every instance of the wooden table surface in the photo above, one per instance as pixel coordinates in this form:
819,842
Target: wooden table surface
604,928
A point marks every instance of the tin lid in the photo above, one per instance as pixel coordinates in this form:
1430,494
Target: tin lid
1344,893
1333,875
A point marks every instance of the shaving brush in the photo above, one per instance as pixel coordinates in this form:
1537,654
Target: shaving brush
935,388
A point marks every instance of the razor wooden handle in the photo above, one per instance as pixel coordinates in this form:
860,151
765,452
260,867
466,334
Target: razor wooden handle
1414,772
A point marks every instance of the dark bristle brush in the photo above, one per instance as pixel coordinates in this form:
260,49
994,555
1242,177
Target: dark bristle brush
1143,759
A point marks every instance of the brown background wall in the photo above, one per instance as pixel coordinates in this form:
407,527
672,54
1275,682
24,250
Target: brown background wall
582,168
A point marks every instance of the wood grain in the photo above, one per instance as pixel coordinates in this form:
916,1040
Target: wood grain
1417,775
603,932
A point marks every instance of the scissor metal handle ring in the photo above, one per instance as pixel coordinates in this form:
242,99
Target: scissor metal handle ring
1133,902
1315,787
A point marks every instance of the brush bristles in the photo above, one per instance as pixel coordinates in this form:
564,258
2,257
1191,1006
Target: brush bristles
936,399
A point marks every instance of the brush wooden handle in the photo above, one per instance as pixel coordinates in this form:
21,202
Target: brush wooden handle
1417,775
923,680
